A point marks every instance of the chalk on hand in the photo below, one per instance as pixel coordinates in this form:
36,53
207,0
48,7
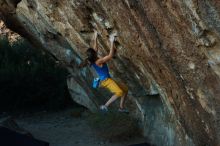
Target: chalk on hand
113,35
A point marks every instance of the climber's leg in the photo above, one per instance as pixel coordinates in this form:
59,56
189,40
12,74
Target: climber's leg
113,87
111,100
122,101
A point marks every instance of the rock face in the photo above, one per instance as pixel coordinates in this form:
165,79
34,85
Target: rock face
12,36
166,47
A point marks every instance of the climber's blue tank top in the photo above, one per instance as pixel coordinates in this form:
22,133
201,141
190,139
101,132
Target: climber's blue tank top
103,71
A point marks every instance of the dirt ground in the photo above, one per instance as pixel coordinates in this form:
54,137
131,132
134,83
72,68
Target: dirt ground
64,128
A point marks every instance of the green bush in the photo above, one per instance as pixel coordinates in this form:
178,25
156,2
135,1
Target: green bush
29,78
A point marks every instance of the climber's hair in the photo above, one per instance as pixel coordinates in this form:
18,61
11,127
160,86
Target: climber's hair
91,55
91,58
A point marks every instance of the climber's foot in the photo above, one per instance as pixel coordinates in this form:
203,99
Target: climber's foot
104,108
123,110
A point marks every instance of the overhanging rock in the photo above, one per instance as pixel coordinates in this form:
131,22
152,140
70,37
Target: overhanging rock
170,48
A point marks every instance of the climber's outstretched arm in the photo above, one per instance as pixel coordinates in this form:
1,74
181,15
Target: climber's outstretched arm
95,41
111,53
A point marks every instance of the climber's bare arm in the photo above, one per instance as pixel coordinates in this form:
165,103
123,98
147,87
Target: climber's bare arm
95,41
109,56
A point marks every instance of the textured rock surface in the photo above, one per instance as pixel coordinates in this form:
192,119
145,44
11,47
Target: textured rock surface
166,47
4,31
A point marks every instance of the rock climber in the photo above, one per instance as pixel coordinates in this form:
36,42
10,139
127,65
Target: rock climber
119,90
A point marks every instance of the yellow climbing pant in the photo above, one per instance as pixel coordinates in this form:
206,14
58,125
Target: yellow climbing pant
117,88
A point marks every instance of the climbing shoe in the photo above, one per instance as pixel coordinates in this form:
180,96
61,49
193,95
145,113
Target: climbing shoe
122,110
104,108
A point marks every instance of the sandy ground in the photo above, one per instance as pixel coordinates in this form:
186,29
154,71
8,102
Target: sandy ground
63,129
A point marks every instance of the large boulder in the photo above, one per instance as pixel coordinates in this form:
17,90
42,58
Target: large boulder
170,48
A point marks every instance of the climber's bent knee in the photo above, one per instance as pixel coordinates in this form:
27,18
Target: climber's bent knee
124,88
119,93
